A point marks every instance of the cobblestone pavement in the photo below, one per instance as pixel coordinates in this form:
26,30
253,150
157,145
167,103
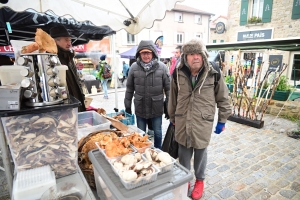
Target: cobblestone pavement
243,162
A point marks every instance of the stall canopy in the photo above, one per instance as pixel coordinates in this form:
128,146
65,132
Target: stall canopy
131,15
24,24
130,54
284,44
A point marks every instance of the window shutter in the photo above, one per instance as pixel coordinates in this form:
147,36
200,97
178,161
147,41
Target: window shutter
214,41
296,10
267,12
244,12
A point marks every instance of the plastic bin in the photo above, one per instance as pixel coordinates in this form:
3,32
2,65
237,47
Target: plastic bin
43,136
171,185
129,119
10,74
91,121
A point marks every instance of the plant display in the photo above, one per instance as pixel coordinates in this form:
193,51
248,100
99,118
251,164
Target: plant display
229,79
254,20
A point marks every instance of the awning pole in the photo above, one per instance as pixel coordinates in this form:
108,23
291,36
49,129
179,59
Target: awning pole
116,71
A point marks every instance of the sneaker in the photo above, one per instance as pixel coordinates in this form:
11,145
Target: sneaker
198,190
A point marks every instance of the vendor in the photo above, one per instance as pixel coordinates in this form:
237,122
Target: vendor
66,56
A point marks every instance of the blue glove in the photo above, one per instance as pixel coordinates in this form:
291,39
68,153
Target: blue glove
220,127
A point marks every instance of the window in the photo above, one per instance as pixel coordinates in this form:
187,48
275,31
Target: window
214,41
296,68
179,38
178,17
257,8
221,41
197,19
255,11
130,39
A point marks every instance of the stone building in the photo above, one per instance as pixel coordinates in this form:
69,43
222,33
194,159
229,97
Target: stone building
263,20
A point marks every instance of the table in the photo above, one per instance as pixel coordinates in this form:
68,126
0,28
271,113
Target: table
89,83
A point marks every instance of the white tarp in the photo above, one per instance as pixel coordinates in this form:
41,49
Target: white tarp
112,13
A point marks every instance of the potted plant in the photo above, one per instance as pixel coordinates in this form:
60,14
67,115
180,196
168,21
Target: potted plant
282,91
254,20
229,80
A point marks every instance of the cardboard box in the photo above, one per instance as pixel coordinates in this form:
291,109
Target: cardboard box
10,97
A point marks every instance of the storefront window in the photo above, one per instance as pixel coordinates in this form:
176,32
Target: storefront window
296,68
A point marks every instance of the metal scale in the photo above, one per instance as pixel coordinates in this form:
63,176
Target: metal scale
42,85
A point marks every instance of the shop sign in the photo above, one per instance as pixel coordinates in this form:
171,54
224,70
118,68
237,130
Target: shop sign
220,27
80,48
255,35
275,61
6,49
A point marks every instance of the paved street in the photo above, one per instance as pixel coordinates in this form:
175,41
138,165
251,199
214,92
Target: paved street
243,162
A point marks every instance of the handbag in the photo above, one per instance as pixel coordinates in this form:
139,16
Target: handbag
169,144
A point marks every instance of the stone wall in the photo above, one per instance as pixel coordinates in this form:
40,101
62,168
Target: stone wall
291,109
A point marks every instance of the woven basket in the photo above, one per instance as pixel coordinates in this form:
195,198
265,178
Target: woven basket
88,172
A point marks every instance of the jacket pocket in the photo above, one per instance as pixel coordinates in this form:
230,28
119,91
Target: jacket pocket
208,116
138,103
158,104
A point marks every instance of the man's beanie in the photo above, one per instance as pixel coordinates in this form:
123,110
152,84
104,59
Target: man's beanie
59,31
102,57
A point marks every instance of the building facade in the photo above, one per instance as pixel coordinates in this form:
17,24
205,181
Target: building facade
179,26
250,20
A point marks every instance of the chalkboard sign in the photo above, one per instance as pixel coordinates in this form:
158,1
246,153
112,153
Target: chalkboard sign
275,61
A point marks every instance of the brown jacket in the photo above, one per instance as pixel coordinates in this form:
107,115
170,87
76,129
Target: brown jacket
193,113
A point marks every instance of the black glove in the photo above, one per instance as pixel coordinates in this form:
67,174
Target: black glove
128,110
166,109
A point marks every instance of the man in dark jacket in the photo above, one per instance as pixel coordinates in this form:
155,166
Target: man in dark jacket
66,55
148,81
192,107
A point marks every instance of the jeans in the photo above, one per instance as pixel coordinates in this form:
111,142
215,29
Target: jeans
156,124
104,86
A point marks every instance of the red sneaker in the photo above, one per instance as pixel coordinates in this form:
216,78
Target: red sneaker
198,190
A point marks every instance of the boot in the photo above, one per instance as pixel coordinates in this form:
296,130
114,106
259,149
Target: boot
198,190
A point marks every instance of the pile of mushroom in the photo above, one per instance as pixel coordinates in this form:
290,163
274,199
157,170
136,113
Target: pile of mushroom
131,167
159,159
50,138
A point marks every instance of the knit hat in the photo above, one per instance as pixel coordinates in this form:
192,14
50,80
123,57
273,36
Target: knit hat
59,31
103,57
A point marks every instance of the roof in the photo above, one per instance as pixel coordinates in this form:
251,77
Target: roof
184,8
284,44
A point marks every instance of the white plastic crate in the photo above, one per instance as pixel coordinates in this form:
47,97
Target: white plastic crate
91,121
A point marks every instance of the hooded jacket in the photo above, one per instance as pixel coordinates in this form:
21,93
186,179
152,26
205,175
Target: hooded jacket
193,109
72,79
147,87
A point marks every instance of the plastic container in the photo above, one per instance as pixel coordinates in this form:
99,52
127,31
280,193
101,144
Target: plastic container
171,185
68,189
10,74
43,136
31,184
103,151
132,129
128,120
91,121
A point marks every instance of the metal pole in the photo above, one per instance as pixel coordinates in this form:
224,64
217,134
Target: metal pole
6,159
116,67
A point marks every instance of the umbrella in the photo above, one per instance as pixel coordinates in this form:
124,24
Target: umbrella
24,24
131,15
130,54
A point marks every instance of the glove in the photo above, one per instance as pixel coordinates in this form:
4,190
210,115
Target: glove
166,109
220,127
128,110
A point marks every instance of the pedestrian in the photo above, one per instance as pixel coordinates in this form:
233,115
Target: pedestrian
194,95
66,55
176,60
104,81
148,81
125,71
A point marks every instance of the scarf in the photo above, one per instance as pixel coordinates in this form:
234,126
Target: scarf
147,66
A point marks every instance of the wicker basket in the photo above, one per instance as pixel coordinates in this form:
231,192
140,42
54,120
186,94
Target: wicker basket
89,172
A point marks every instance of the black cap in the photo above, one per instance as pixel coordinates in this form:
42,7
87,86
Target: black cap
59,31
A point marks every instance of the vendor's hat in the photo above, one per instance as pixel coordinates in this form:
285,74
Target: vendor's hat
145,50
59,31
